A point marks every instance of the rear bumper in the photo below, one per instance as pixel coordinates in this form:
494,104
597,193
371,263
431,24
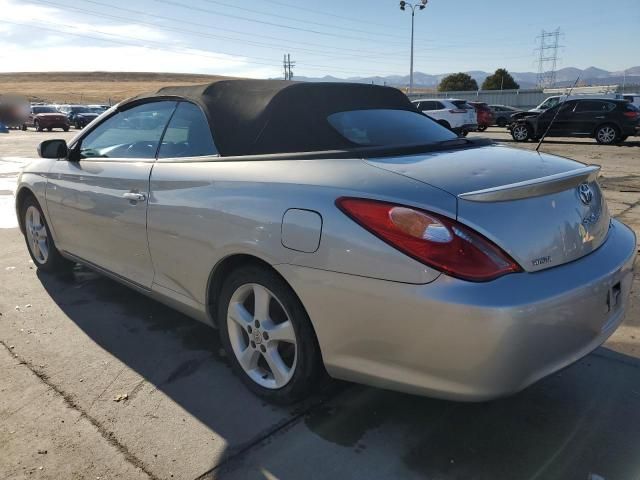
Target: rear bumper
53,123
468,341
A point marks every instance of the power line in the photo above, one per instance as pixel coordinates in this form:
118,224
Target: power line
263,22
308,22
306,9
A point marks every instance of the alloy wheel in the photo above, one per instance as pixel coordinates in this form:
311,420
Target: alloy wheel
37,237
262,336
607,135
520,133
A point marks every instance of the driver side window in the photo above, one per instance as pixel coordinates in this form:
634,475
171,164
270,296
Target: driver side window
134,133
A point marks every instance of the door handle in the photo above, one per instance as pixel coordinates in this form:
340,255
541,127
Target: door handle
134,196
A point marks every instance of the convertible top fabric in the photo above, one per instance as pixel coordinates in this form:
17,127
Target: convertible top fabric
254,117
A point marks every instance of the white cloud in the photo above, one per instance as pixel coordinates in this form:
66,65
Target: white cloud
65,44
61,58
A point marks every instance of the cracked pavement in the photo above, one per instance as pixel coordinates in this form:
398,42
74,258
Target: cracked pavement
72,346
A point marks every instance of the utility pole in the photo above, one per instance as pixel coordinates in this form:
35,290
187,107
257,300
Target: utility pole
548,58
288,65
419,6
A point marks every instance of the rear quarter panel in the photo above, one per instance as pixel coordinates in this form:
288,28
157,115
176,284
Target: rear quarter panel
202,212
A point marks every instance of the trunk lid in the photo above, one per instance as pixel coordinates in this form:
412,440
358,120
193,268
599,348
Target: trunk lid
541,209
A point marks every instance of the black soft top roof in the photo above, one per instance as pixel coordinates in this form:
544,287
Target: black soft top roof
254,117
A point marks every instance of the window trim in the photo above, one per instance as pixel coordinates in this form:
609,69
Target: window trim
186,159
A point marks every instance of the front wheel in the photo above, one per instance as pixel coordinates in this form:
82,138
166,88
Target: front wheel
268,335
521,133
606,134
43,252
482,128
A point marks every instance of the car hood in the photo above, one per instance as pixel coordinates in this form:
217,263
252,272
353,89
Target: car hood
541,209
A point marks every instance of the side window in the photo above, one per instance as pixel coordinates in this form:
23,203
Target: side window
188,134
438,106
134,133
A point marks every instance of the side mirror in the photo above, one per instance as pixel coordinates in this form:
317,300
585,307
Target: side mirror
53,149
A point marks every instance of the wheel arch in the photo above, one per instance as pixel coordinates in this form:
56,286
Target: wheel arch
224,268
21,195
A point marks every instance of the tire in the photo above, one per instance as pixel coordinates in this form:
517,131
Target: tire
23,127
36,125
521,133
66,129
482,128
607,134
464,133
49,129
445,124
241,332
38,237
502,122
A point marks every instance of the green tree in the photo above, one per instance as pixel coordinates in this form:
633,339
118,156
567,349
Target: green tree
457,82
500,80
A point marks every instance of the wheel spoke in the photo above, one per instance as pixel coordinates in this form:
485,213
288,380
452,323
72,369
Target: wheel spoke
240,315
282,332
248,359
262,300
278,368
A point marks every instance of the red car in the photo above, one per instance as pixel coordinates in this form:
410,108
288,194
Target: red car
44,116
485,115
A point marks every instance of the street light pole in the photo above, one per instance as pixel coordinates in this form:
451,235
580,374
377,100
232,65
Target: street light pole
420,6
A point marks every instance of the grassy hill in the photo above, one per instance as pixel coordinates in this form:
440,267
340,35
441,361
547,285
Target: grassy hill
92,87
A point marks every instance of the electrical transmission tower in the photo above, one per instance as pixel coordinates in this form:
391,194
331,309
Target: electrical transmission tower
548,58
288,65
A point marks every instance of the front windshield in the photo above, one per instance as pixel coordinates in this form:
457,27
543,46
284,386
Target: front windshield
44,110
388,128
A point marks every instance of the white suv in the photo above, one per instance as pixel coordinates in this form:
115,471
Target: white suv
452,113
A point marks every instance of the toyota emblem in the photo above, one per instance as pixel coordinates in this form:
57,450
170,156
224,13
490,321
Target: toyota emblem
585,193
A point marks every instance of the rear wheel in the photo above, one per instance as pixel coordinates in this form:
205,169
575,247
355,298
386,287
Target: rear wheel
482,128
37,126
65,128
606,134
43,252
24,127
521,133
268,335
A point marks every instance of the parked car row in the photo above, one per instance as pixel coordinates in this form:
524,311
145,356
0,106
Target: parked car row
47,117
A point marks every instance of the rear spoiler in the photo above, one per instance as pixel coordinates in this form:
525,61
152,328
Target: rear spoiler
534,188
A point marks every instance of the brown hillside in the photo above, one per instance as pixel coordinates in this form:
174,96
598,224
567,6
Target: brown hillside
92,87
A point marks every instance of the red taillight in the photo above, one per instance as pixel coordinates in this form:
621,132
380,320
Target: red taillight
435,240
632,115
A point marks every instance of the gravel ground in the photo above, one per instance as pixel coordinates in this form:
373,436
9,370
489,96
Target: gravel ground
97,381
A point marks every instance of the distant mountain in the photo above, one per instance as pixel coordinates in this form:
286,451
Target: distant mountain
564,76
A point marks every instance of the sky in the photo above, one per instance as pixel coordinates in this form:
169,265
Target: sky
324,37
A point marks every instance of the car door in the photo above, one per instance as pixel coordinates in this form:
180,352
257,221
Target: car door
558,118
97,198
588,114
178,230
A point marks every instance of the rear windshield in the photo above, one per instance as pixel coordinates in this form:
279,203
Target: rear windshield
388,128
44,110
80,110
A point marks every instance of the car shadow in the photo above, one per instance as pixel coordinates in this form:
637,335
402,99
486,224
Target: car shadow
582,421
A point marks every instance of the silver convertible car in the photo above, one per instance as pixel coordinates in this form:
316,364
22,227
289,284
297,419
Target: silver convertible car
333,228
